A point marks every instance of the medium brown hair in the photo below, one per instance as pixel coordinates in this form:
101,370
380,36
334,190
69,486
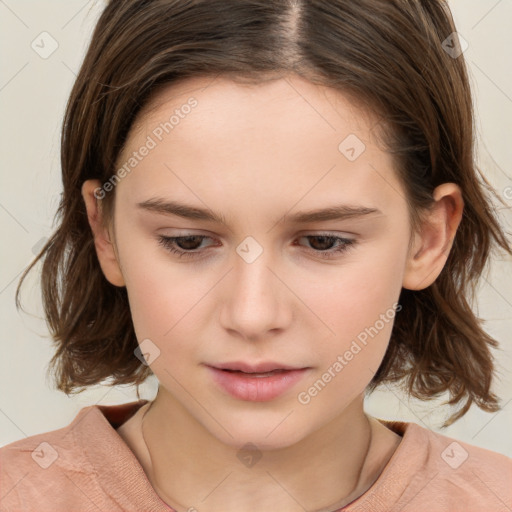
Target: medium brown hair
387,55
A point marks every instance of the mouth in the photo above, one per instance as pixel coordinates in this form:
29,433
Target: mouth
256,383
256,368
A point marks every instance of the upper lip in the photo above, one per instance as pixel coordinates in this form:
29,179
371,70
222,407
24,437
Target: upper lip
265,366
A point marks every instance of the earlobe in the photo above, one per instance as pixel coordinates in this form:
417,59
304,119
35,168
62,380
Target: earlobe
431,247
105,248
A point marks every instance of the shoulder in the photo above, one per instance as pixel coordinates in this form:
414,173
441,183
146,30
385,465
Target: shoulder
483,474
47,471
447,474
461,457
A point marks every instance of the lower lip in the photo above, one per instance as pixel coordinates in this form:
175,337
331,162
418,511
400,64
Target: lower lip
256,389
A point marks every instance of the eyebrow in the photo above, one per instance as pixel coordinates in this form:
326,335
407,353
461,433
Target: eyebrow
336,212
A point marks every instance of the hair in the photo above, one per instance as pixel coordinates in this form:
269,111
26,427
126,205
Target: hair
388,57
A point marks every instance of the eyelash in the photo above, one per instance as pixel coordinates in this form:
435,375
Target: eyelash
168,243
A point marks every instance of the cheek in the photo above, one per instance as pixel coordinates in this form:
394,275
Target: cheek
150,301
167,304
355,295
160,294
361,316
357,319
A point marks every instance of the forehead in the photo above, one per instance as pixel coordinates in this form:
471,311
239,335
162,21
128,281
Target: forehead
223,96
285,138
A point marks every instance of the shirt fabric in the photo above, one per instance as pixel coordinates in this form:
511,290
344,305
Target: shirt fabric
87,467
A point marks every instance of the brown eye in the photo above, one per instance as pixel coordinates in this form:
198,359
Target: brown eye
323,247
182,245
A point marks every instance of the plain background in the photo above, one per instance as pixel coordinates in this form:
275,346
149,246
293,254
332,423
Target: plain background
33,95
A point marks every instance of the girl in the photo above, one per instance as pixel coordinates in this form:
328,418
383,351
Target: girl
274,208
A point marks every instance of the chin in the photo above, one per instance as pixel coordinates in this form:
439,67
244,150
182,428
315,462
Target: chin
270,433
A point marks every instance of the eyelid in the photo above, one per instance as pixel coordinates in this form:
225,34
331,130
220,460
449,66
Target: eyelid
345,235
168,242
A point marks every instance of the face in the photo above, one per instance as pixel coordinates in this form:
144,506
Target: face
259,283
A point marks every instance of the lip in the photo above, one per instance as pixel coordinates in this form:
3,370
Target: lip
243,386
265,366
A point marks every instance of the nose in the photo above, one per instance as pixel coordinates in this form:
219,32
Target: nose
256,301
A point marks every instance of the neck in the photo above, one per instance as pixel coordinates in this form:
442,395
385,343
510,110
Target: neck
188,466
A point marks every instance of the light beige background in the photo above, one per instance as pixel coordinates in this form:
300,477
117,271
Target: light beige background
33,94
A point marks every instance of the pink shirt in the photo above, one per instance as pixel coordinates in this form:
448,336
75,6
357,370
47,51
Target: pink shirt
87,466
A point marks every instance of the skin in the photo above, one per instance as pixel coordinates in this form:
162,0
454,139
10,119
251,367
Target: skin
256,154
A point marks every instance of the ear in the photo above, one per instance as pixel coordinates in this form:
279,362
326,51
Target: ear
431,247
105,249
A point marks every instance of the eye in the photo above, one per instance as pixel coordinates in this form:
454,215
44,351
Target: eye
189,242
327,239
187,246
